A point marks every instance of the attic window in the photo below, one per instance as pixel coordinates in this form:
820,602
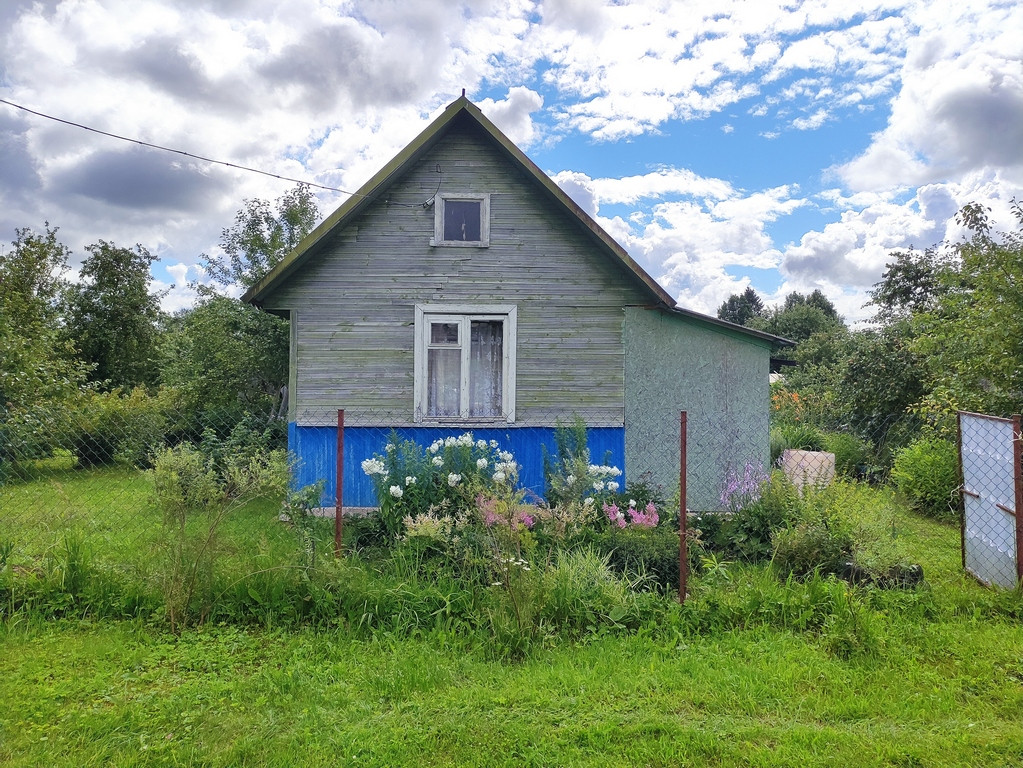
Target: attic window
462,220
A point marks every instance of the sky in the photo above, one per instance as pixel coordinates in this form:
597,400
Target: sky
787,146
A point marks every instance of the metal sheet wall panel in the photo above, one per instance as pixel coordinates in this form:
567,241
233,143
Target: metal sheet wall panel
316,448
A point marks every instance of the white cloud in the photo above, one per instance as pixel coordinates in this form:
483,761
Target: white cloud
960,108
514,115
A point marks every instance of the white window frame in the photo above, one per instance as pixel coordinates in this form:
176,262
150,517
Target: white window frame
465,313
440,202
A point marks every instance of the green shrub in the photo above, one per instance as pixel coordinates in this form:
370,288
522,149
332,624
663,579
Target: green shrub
746,532
445,479
652,552
812,546
926,473
845,528
103,428
851,452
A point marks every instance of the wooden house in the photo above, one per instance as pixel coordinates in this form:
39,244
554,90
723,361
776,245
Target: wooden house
462,289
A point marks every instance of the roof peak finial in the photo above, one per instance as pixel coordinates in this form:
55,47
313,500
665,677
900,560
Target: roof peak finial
463,93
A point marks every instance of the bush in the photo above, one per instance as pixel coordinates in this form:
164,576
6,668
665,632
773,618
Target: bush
926,473
448,477
845,528
851,453
652,552
760,505
812,546
103,428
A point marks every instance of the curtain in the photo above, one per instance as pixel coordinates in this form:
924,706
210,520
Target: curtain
486,356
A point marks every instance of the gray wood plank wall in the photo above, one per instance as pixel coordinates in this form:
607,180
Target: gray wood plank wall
352,306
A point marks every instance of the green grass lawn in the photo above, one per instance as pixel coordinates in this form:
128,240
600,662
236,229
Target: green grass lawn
948,694
928,677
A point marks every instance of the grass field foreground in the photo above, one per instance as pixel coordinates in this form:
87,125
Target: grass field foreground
754,671
948,694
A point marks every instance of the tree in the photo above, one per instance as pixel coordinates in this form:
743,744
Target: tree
740,308
911,284
39,372
37,363
228,358
111,316
261,236
801,317
973,334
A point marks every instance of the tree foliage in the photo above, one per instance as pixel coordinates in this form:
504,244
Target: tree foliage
801,317
973,334
37,363
262,235
228,358
740,308
111,317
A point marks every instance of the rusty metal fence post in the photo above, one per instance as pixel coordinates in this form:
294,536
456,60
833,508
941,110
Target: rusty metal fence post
1017,454
683,549
339,483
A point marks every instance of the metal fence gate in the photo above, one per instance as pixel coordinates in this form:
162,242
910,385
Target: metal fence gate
992,498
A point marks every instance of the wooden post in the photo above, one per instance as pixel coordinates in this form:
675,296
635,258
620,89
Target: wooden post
683,548
339,483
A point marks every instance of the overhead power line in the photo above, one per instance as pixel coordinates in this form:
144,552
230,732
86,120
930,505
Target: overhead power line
175,151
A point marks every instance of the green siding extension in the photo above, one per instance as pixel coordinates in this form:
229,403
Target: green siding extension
674,363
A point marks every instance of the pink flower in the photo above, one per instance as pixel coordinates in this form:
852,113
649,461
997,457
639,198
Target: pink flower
527,520
646,519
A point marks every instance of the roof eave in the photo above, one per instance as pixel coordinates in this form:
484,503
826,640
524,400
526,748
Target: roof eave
776,342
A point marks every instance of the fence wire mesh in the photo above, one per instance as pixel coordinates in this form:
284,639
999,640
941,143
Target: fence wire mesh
89,475
992,497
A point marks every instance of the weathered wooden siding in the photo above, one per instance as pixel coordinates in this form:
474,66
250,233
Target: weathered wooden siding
352,306
718,377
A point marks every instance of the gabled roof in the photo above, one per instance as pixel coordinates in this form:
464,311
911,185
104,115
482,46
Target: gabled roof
459,110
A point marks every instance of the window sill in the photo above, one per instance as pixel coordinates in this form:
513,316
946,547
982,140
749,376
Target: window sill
449,421
458,244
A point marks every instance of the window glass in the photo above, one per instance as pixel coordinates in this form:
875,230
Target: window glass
462,220
444,382
443,333
486,356
465,362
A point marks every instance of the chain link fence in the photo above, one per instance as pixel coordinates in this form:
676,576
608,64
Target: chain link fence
992,497
90,475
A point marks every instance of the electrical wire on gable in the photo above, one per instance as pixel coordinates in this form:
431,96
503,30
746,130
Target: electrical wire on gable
199,157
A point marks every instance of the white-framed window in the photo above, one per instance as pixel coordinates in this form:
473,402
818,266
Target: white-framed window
465,363
461,220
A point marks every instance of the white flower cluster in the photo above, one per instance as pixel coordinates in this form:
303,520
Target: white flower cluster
427,526
397,492
454,479
374,467
515,562
462,440
603,471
